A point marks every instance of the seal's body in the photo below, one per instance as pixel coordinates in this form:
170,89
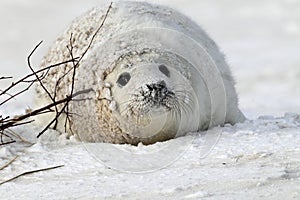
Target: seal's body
154,75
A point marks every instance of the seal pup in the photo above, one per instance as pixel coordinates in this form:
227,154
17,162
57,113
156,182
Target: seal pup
154,73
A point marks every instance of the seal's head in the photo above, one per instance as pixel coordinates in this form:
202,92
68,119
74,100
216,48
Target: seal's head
151,99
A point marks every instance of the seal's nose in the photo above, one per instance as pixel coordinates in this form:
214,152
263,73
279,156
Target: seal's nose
158,91
156,95
160,86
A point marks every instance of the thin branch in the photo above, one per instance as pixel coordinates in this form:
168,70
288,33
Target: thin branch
39,80
38,111
10,162
74,68
2,133
6,143
30,75
68,118
17,94
4,77
31,172
95,34
6,94
22,123
38,76
67,100
18,136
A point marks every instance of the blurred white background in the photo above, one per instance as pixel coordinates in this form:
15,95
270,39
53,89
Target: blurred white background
261,40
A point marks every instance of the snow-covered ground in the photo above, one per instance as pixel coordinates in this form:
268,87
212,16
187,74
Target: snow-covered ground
259,159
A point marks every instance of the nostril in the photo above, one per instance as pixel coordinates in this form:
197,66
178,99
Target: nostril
162,83
149,87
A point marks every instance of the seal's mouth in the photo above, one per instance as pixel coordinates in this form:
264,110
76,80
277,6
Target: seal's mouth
150,97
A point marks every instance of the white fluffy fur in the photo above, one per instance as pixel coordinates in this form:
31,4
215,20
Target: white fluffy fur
127,31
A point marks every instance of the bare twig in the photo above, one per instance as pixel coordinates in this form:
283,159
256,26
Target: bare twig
14,134
40,81
59,106
5,143
7,122
68,117
22,80
67,99
95,34
22,123
5,77
7,164
37,77
31,172
38,111
65,107
8,137
17,94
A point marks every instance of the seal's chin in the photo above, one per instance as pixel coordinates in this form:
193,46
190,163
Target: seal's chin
159,110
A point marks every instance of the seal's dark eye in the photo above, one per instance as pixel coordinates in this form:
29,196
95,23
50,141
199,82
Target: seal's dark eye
123,79
164,70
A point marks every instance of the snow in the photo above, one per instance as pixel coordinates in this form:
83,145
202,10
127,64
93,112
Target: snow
259,159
